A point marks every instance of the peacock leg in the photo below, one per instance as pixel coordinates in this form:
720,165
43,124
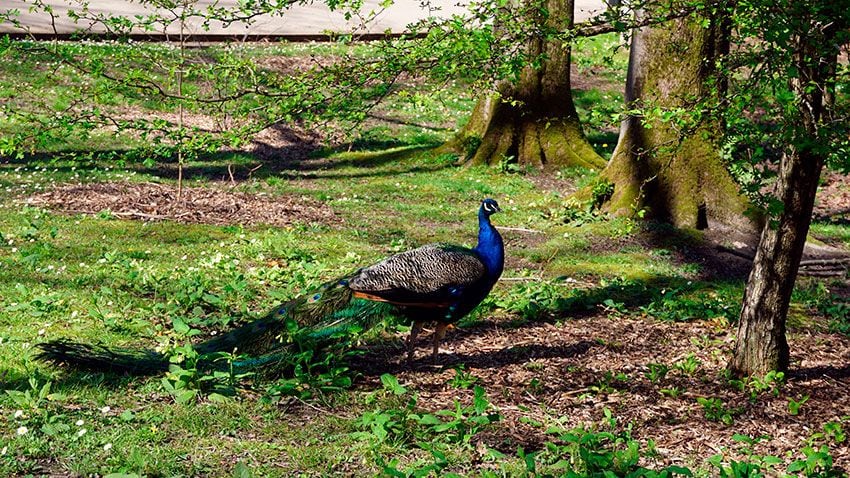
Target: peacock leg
411,339
439,333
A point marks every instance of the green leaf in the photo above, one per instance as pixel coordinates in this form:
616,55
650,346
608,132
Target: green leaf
180,326
185,396
241,470
217,398
391,384
429,420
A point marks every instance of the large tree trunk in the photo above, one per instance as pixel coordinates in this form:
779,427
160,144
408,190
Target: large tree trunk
534,121
761,345
674,175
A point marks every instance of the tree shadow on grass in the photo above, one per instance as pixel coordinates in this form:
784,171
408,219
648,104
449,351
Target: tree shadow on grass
298,158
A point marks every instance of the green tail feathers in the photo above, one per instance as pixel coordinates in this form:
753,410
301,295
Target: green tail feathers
316,320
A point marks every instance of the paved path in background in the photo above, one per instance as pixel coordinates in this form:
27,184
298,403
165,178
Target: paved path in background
300,20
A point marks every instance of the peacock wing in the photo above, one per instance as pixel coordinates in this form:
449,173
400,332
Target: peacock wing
435,274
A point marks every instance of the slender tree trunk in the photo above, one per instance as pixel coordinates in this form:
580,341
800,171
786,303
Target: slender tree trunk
673,171
762,345
534,121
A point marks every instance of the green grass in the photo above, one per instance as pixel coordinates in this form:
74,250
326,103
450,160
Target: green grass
127,283
838,233
97,278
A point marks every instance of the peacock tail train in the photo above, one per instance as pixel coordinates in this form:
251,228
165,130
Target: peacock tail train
315,320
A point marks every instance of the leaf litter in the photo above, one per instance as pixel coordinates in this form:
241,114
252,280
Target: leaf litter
570,371
207,205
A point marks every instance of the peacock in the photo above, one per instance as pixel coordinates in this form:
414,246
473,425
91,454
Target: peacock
434,283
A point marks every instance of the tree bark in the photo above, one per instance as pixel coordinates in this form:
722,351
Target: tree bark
761,342
673,174
533,121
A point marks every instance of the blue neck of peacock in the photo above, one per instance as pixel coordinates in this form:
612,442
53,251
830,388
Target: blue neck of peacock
490,247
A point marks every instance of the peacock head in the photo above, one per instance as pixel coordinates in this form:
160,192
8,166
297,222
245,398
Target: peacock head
489,207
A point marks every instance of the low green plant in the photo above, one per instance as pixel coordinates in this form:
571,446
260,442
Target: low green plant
601,192
687,302
508,165
771,382
656,372
833,306
308,374
717,411
795,405
399,420
603,450
753,465
34,400
832,432
672,392
433,467
689,365
816,463
462,378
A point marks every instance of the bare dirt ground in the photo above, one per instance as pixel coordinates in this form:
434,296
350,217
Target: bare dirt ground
156,202
833,202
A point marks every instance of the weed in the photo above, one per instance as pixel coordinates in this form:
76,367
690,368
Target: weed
832,432
603,450
403,424
687,302
816,462
795,405
716,411
601,192
656,372
772,382
753,465
310,374
689,365
462,377
672,392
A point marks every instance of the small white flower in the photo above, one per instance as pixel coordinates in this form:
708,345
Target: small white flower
105,409
22,430
19,413
81,432
4,450
41,331
79,423
107,447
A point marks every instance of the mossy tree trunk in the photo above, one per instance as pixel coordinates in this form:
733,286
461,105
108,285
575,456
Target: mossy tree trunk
673,169
761,343
533,121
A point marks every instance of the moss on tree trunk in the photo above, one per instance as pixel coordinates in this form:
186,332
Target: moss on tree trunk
534,121
676,174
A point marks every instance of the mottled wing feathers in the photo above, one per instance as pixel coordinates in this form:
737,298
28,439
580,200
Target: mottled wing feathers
428,276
